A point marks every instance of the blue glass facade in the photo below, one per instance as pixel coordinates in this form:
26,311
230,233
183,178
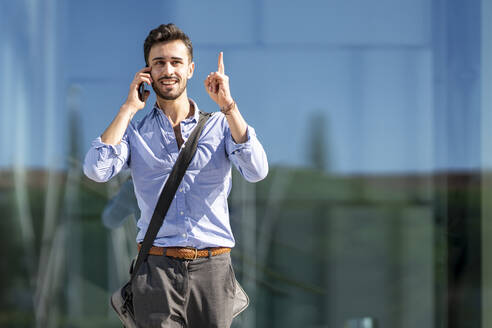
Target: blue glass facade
375,117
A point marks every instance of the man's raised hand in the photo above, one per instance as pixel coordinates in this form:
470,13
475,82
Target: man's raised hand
217,85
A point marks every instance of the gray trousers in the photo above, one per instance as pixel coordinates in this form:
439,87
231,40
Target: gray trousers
169,292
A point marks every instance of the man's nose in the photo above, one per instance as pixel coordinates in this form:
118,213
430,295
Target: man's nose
168,69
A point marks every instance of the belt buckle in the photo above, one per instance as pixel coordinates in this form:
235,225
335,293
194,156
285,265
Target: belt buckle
196,252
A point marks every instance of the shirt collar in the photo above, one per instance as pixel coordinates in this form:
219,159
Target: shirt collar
194,118
196,114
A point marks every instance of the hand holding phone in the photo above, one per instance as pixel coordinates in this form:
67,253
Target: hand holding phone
138,95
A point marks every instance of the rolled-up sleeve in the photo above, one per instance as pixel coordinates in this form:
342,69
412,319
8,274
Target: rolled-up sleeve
248,157
104,161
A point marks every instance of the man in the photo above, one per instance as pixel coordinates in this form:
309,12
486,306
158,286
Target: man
176,290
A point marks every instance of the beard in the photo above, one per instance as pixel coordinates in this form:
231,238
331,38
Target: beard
171,95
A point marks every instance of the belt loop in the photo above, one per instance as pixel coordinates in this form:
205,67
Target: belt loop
209,252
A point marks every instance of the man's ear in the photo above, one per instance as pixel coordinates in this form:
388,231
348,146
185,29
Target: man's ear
191,69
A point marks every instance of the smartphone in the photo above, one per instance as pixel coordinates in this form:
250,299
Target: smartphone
141,91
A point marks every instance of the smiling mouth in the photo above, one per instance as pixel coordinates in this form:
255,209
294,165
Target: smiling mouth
168,82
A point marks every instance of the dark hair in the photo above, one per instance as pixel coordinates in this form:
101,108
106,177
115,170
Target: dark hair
166,33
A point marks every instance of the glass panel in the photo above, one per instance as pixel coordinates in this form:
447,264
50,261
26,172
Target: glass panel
375,117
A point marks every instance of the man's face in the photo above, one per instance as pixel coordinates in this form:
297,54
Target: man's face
171,69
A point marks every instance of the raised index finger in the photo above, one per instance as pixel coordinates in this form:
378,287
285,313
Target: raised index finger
221,69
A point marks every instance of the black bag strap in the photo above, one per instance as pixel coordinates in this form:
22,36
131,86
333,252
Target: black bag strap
167,194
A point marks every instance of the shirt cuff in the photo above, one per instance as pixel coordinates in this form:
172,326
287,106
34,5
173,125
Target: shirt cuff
238,147
107,149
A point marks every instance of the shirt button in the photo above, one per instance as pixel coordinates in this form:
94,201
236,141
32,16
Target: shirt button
181,190
181,212
184,235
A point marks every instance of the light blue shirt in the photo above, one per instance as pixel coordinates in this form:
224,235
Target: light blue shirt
198,215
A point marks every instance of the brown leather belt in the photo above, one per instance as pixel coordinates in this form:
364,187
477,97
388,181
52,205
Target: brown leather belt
187,253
